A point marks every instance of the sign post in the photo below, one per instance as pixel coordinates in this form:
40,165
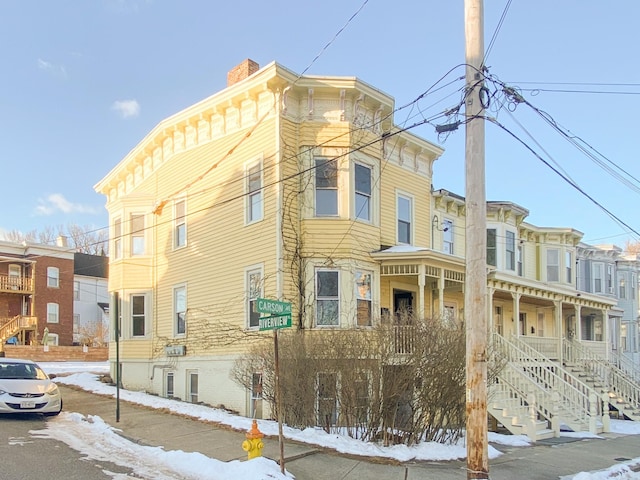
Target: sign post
279,316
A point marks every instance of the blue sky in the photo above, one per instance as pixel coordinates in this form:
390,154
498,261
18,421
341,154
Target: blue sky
84,82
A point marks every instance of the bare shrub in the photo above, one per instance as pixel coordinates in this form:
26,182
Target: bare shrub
396,385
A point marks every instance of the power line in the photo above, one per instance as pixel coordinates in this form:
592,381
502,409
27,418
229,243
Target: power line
495,33
566,179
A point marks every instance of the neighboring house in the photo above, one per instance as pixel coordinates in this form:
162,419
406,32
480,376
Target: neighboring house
303,189
36,293
90,300
604,269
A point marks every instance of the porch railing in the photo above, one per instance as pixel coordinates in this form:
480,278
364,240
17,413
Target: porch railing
547,346
13,284
404,338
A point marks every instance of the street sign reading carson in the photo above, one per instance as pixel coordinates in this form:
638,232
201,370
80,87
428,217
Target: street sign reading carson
279,314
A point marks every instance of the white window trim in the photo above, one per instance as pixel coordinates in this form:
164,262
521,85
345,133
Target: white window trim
447,233
355,193
412,207
317,297
315,187
249,195
53,273
56,307
357,295
557,265
514,266
174,310
142,234
247,287
147,314
117,238
177,222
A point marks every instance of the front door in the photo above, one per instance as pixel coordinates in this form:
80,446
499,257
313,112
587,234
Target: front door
402,306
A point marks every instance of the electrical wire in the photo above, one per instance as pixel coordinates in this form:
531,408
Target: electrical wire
495,33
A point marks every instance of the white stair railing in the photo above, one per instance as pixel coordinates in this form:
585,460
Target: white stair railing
578,404
614,379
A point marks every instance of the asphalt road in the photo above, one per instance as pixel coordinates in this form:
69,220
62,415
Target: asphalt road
24,457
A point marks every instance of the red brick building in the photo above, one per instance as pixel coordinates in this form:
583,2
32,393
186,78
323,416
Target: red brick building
36,293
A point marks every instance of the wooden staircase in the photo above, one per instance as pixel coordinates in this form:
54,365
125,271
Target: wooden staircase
13,326
533,395
619,385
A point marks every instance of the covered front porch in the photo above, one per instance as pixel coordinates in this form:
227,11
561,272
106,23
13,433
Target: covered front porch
544,316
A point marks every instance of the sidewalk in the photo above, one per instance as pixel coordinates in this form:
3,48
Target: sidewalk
553,459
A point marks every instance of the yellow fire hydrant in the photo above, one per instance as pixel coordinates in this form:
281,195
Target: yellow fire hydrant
253,444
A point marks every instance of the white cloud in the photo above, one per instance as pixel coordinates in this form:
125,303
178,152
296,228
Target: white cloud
56,70
126,108
56,203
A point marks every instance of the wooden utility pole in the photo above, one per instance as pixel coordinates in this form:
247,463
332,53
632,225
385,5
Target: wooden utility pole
475,296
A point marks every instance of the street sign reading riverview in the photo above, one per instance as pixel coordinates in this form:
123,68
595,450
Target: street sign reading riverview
279,314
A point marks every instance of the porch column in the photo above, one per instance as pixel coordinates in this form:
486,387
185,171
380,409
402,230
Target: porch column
441,293
490,323
421,282
516,312
605,334
578,328
557,305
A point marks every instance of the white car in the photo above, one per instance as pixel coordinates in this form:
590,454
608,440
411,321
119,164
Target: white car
25,388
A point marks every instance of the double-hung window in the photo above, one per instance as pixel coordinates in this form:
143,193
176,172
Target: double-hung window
623,288
137,234
327,298
597,277
492,258
568,259
363,192
138,315
326,187
553,265
254,193
404,214
254,291
180,309
363,296
609,278
510,250
53,277
520,260
117,238
53,313
180,224
447,236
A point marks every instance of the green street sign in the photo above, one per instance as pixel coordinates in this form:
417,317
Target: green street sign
275,321
273,307
279,314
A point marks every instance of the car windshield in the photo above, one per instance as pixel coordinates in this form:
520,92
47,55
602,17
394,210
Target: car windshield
21,371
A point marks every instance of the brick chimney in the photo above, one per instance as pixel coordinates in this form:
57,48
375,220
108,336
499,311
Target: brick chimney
242,71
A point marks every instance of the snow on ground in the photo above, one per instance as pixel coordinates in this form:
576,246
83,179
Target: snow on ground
154,462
